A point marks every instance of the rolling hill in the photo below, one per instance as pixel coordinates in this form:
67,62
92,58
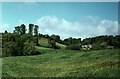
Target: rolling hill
44,42
64,63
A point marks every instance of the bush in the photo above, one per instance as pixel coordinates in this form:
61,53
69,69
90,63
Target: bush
103,45
96,47
28,47
12,49
109,47
52,44
73,47
57,47
35,53
15,45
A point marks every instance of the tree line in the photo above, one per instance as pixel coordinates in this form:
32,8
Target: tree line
22,29
21,43
97,43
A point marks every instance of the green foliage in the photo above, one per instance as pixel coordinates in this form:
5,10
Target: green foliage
73,47
12,49
36,29
31,29
52,44
26,37
103,45
27,50
17,45
22,29
5,31
17,30
109,47
35,40
55,37
110,40
70,41
96,47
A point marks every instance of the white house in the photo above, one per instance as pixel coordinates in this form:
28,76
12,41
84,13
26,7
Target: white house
86,47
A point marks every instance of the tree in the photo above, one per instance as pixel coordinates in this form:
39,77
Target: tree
31,29
22,29
55,37
17,45
46,36
52,44
5,31
76,41
17,29
73,47
103,44
36,29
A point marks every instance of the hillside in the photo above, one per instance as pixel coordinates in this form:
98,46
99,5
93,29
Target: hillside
44,42
64,63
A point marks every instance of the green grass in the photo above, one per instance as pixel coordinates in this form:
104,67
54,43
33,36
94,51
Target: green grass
61,45
64,63
44,42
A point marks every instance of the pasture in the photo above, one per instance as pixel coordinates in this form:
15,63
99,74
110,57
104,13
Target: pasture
63,63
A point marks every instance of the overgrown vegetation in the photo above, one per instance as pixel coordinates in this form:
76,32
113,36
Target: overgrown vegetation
19,43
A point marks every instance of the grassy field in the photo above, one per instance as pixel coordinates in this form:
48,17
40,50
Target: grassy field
63,63
44,42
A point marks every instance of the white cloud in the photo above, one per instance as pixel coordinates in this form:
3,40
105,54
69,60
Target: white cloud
88,26
4,27
85,27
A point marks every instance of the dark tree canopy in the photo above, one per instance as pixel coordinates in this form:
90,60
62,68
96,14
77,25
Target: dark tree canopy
36,27
31,29
22,29
17,30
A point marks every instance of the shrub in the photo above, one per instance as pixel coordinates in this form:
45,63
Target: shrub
28,47
109,47
103,45
15,45
96,47
57,47
35,53
73,47
12,49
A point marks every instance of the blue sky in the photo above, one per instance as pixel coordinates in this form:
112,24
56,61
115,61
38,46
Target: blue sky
63,18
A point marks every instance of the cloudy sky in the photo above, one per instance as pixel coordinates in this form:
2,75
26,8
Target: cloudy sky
67,19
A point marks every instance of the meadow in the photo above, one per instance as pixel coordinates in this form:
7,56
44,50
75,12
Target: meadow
63,63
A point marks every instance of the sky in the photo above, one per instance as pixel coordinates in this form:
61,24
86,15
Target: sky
60,0
67,19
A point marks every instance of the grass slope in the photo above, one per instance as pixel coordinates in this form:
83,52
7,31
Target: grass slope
64,63
44,42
